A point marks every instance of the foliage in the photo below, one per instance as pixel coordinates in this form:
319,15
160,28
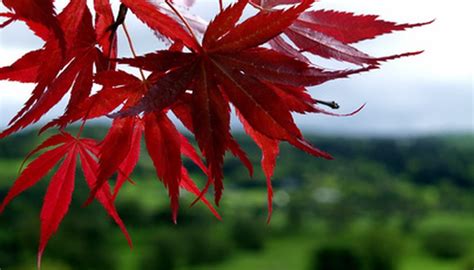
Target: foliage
163,253
248,233
372,249
334,257
244,63
445,243
86,232
206,247
381,249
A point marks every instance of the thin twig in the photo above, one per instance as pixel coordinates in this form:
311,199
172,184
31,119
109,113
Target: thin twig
181,17
221,5
132,48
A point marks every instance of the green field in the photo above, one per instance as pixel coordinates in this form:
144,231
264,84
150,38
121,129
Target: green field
382,204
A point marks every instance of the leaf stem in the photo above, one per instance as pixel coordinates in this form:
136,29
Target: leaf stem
132,48
81,129
181,17
259,7
221,5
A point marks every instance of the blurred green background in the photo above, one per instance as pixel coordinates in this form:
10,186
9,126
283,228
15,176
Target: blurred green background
382,204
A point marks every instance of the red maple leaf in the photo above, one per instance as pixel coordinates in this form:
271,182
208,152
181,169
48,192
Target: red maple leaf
248,64
64,64
59,194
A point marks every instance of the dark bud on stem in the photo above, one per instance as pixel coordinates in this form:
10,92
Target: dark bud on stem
330,104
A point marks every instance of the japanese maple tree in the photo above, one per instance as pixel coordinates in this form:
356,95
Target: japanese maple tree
260,66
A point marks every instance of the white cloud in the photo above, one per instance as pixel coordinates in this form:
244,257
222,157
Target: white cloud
432,92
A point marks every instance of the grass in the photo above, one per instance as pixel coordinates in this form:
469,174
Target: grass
293,251
9,171
279,254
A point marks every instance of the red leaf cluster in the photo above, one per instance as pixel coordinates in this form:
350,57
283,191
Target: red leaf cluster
260,66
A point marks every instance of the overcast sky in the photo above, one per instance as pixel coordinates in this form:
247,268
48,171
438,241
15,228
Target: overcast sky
427,94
